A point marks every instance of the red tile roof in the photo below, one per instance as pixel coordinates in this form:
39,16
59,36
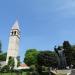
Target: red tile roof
23,65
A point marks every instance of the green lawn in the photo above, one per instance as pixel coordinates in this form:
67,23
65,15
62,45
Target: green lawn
24,73
61,74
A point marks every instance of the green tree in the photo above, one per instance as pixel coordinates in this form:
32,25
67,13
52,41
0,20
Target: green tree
47,58
11,63
0,67
5,68
3,56
31,57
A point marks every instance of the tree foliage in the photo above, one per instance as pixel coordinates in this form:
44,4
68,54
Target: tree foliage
11,63
47,58
5,68
3,56
31,57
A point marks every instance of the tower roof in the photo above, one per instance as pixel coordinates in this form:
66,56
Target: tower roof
16,25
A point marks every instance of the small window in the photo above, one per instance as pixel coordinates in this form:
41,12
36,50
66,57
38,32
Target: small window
11,33
14,32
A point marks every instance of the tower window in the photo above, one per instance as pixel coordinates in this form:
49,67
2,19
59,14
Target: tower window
14,32
11,33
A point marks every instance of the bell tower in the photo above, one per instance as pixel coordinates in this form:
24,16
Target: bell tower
13,45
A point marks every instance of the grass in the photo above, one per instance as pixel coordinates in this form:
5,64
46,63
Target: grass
61,74
24,73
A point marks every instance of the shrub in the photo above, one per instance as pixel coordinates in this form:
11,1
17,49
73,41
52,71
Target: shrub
28,73
45,73
35,73
5,68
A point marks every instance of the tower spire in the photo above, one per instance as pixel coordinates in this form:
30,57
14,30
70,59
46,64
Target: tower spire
16,25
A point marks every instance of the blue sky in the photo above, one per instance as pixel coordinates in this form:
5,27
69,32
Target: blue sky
43,23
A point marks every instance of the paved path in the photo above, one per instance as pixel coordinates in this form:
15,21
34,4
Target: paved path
72,72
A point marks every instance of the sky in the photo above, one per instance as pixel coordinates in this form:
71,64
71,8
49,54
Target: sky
43,23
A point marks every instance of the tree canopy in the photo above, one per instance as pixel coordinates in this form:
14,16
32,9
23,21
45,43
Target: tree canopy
11,63
3,56
47,58
31,57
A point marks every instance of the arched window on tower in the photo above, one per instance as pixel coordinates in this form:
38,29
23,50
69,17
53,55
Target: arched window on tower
15,33
12,33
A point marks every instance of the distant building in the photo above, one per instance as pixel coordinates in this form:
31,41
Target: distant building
23,66
13,46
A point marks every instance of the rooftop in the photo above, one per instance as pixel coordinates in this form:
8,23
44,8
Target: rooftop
16,25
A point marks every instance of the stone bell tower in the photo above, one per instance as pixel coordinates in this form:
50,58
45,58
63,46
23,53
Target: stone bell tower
13,45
